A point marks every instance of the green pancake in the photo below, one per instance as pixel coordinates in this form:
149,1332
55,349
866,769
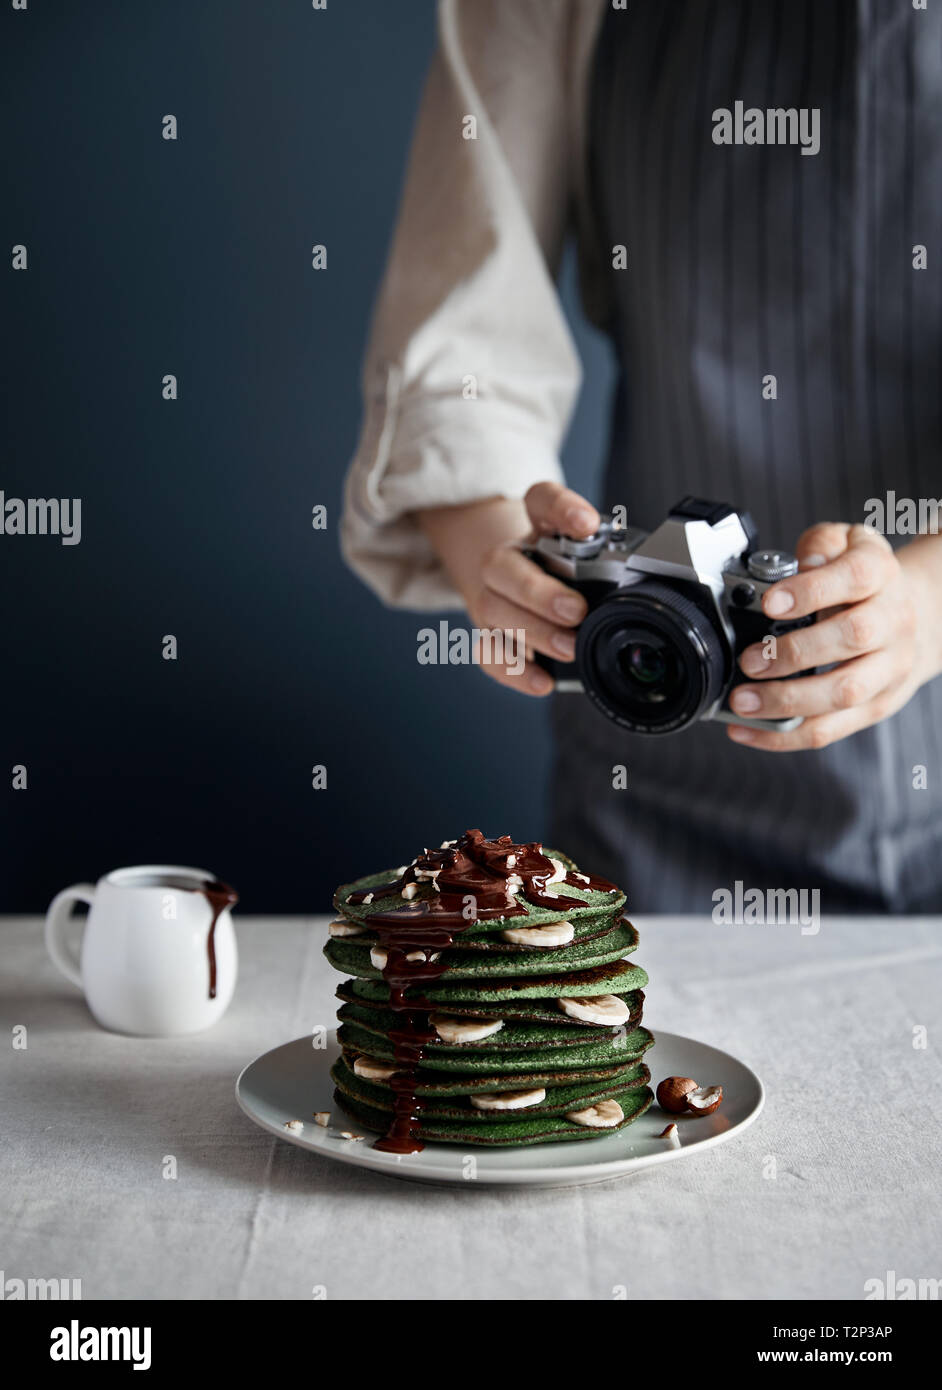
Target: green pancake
516,1010
617,978
557,1101
512,1037
354,959
431,1082
588,929
515,1134
615,1051
489,936
596,903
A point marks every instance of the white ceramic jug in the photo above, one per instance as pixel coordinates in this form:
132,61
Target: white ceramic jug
158,954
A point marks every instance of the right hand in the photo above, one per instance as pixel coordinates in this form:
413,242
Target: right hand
501,588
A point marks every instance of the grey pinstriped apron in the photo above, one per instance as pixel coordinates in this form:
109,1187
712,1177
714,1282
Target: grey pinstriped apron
743,261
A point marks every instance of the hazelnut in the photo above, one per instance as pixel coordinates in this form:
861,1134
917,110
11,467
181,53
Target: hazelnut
703,1100
672,1093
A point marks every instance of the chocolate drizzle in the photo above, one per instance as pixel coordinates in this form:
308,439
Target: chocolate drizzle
219,896
472,880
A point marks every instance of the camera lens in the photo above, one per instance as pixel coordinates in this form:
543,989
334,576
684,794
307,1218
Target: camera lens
651,658
649,664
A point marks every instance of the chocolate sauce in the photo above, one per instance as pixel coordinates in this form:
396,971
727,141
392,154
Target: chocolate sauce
219,896
476,880
590,881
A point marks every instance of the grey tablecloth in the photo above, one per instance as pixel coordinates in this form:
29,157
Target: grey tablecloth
853,1122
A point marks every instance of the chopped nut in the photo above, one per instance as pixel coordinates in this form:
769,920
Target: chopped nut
344,928
703,1100
672,1093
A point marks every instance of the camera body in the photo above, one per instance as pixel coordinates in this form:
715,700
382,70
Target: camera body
670,612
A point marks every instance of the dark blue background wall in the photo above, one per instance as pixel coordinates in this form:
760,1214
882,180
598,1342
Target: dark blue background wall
193,257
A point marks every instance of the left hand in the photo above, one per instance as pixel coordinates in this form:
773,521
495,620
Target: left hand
880,616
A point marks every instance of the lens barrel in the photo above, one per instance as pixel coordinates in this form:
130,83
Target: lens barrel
652,659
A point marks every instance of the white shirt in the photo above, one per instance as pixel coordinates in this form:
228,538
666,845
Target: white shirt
471,374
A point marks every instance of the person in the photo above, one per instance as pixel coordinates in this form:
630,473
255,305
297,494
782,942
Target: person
776,311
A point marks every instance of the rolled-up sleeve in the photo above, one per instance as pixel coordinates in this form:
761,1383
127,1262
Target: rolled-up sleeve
470,373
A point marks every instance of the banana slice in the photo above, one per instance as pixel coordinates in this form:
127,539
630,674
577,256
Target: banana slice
378,957
605,1115
344,928
508,1100
607,1009
372,1071
556,934
464,1030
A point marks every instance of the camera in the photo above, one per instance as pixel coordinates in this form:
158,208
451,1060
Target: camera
670,612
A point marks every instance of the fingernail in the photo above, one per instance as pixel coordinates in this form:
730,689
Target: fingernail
745,701
740,735
540,683
579,519
569,609
778,603
565,644
811,562
754,662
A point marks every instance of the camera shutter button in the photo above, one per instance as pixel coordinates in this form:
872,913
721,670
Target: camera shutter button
771,565
585,549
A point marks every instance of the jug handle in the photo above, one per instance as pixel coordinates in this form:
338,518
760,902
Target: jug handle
57,918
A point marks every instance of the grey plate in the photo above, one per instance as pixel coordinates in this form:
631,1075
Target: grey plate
293,1081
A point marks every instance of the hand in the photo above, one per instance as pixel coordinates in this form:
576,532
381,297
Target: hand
880,616
502,589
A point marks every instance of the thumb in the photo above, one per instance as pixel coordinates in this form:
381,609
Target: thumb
552,507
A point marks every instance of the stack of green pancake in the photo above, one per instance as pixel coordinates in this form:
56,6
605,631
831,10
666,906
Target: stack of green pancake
530,1043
